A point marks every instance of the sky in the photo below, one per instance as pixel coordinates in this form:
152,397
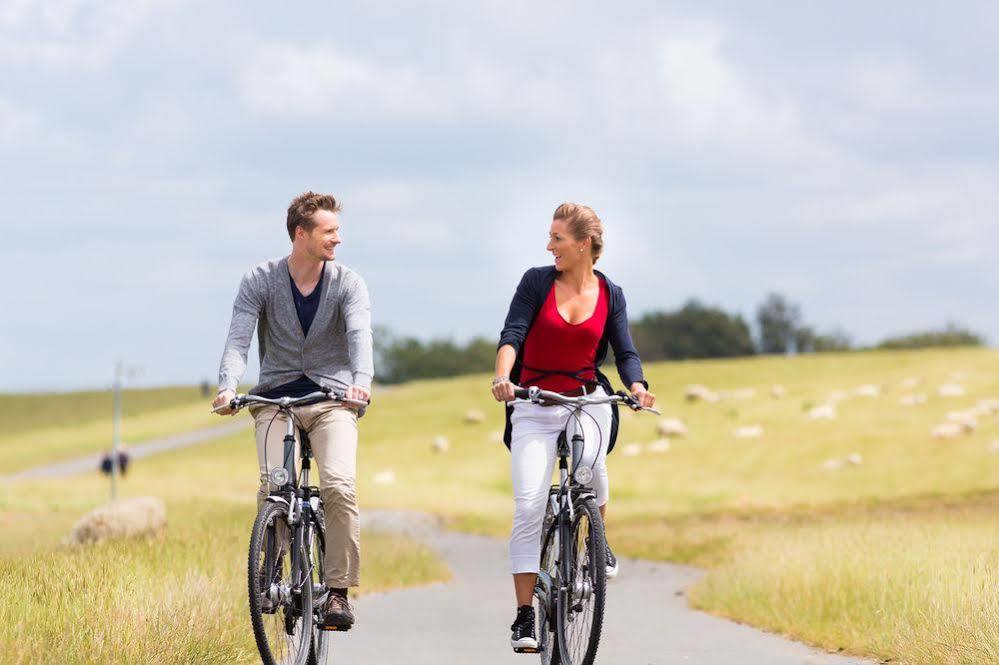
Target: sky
844,154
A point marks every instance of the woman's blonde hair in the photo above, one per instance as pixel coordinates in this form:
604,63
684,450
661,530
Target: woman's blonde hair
583,223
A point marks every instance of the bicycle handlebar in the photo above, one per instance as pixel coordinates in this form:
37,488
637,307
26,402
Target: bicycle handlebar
321,395
535,395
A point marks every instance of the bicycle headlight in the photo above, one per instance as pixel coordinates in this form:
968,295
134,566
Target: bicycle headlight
583,475
279,476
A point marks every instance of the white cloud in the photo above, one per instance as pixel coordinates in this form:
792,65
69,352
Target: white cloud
71,34
16,125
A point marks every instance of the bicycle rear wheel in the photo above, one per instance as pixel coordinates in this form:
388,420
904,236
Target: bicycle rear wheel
280,607
580,606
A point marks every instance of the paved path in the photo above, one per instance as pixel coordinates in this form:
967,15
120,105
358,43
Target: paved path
138,451
465,622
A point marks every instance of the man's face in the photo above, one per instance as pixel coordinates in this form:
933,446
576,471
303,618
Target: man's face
322,240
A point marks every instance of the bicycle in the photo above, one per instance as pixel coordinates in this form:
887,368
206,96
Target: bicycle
572,581
287,544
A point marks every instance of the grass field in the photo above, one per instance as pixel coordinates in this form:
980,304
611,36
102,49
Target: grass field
731,504
893,557
44,428
179,597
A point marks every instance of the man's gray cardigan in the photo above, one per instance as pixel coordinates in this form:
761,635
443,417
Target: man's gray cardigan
336,353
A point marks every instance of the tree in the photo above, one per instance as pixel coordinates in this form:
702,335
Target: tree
779,322
951,335
693,331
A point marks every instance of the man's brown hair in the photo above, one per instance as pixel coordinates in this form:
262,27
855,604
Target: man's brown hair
304,206
583,223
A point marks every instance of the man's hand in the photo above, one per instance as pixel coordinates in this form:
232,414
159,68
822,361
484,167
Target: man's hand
223,399
358,393
644,397
503,389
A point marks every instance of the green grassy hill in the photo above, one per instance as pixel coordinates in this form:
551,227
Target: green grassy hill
858,543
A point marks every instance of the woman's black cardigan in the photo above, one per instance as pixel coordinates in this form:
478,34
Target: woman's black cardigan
527,301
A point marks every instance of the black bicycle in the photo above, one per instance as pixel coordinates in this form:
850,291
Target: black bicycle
572,583
285,563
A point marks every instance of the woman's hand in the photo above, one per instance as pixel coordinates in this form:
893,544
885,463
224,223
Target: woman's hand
644,397
503,389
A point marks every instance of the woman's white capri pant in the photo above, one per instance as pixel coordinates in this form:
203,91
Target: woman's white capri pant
533,447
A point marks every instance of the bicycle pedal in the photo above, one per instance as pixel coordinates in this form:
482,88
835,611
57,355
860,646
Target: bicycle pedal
338,629
528,650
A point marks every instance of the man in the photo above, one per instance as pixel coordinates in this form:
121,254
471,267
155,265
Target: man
313,321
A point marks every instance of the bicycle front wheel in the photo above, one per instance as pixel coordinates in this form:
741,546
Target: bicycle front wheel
280,604
544,599
583,565
316,547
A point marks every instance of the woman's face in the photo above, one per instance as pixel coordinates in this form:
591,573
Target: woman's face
568,251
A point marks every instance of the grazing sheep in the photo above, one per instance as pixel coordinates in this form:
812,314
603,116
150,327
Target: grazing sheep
837,396
697,392
671,427
832,464
386,477
496,436
855,459
951,390
749,432
474,417
658,446
631,450
738,393
911,382
966,419
823,412
140,516
987,407
912,400
947,431
994,447
777,391
441,444
868,390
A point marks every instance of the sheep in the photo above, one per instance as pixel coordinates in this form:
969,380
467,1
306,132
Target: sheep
121,519
496,436
868,390
947,431
386,477
912,400
697,392
749,432
441,444
658,446
832,464
777,391
951,390
631,450
671,427
855,459
823,412
474,417
837,396
738,393
994,447
911,382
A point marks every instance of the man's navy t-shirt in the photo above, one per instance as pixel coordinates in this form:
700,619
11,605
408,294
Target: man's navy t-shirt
306,307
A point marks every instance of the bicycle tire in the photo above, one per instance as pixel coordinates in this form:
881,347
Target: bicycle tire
580,607
322,640
271,623
547,633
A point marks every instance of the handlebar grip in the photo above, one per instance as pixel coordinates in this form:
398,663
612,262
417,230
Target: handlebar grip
521,393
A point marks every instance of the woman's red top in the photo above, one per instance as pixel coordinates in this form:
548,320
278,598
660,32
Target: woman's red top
558,355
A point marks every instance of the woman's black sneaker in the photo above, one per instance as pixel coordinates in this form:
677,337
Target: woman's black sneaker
611,564
523,629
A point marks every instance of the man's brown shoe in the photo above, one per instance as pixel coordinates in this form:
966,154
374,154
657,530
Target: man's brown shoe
337,612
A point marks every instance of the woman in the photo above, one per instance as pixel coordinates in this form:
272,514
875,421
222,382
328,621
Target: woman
557,331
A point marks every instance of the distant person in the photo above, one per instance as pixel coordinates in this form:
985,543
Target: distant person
206,388
107,461
313,322
559,326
